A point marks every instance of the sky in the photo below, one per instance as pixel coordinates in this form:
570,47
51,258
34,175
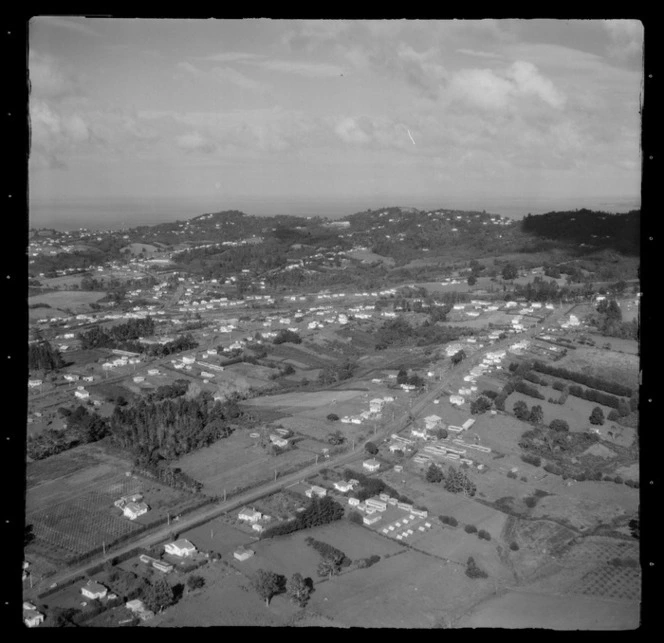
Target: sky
266,115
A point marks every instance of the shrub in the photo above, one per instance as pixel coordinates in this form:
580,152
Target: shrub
473,571
484,535
535,460
514,546
613,416
552,468
523,479
618,480
558,385
332,417
512,474
559,425
470,529
580,477
530,502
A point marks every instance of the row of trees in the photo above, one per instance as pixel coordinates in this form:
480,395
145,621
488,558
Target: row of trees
115,336
370,487
591,381
319,511
398,332
42,356
453,480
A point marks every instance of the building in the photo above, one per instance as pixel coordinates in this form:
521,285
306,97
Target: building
353,502
250,515
243,553
92,589
34,383
371,465
162,566
257,527
370,520
342,486
82,395
467,424
378,505
181,547
133,510
31,617
320,492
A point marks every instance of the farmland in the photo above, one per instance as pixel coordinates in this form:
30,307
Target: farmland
74,300
70,502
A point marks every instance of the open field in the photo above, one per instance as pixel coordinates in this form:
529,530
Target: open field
237,462
74,300
526,609
616,367
297,401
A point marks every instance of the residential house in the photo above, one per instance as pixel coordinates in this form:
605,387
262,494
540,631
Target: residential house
320,492
243,553
92,589
82,395
32,618
371,465
250,515
343,486
133,510
181,547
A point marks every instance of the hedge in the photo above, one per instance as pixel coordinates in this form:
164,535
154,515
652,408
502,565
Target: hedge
470,529
582,378
526,389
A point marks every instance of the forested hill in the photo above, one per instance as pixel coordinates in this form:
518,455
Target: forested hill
598,230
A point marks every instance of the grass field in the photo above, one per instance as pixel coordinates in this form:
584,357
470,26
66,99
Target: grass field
74,300
236,462
617,367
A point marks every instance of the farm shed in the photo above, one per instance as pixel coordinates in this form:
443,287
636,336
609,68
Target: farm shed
370,520
133,510
243,553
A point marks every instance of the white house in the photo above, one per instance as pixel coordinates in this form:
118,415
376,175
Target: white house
92,589
133,510
376,405
250,515
71,378
342,486
370,520
371,465
353,502
32,618
419,433
431,421
257,527
153,371
34,383
315,491
243,553
82,395
181,547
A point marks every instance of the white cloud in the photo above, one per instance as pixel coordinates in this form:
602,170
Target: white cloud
487,89
224,75
626,38
195,142
48,78
349,131
303,68
479,54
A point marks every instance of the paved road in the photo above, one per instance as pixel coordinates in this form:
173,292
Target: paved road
395,426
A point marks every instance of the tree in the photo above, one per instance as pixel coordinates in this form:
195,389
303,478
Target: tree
480,405
195,582
536,414
28,535
434,474
458,357
329,567
472,280
332,417
336,438
521,411
509,272
159,595
298,589
267,584
371,448
402,377
597,416
559,425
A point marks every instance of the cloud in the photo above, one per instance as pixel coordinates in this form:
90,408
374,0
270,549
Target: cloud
80,25
349,131
224,75
309,34
487,89
231,57
479,54
194,142
626,38
50,79
303,68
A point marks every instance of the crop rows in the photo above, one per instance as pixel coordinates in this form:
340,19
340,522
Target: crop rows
622,583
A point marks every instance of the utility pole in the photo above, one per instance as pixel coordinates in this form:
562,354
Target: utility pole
224,495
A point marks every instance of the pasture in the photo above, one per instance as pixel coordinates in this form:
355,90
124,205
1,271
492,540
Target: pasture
237,462
74,300
617,367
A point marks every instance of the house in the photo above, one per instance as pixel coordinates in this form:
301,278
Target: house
133,510
89,378
181,547
467,424
34,383
71,378
396,447
250,515
353,502
153,371
419,433
371,465
315,491
342,486
243,553
370,520
82,395
257,527
92,589
378,505
431,421
32,618
278,441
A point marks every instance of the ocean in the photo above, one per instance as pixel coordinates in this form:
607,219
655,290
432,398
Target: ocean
113,214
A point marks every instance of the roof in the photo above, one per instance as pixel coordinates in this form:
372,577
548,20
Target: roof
183,543
94,586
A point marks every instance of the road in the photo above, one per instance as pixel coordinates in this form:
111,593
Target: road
397,425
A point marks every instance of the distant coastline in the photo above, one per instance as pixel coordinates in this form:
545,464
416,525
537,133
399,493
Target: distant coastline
114,214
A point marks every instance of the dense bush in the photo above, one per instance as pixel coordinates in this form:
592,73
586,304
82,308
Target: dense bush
483,534
318,512
583,378
470,529
368,562
526,389
449,520
558,385
514,546
553,468
535,460
356,517
512,474
480,405
559,425
473,571
530,502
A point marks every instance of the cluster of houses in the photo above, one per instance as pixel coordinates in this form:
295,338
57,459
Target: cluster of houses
253,518
373,507
373,413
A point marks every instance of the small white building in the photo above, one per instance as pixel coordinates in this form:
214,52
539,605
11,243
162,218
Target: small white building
371,465
32,617
343,486
181,547
133,510
315,490
354,502
82,395
92,589
250,515
243,553
370,520
34,383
